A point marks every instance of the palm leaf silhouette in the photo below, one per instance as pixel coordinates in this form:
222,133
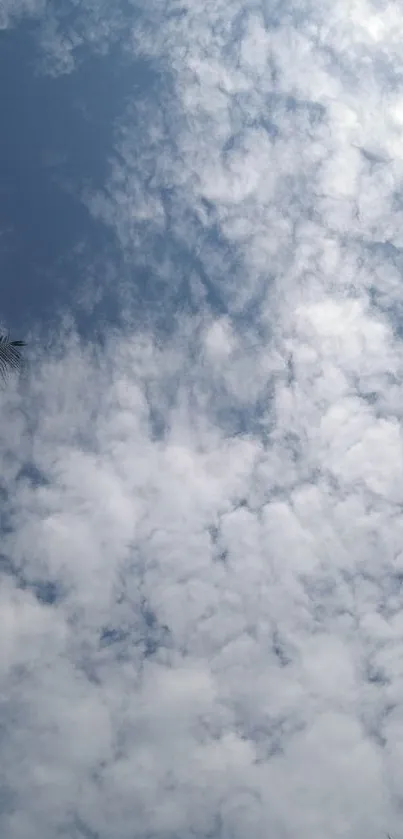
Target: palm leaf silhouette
10,356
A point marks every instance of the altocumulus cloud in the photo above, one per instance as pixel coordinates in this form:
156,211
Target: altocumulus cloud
202,529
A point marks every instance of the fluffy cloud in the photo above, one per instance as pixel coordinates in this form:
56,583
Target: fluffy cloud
202,539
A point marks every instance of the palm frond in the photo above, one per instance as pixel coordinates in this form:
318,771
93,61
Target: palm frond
10,356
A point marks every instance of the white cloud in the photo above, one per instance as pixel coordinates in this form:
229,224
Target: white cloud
67,32
223,654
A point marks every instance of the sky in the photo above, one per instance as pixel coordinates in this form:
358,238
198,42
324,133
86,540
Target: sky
201,483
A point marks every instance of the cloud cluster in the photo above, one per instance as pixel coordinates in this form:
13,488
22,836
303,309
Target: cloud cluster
202,533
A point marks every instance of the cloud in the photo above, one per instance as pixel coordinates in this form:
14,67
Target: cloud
225,613
68,33
202,529
11,11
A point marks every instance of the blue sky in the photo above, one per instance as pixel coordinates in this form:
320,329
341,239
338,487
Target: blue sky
202,459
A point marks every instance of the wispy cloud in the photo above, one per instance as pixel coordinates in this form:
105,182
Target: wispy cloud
11,11
202,527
